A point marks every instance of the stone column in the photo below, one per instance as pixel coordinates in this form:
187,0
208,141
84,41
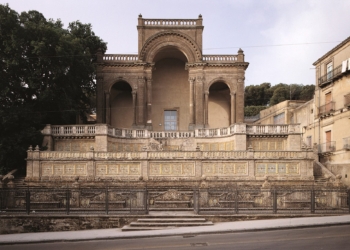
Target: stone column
206,111
134,106
233,107
149,101
191,80
199,102
99,100
108,108
140,100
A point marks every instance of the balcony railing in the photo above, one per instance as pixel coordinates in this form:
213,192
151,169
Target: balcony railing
330,76
326,109
327,147
103,129
347,100
346,143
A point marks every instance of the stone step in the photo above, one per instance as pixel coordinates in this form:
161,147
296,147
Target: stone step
166,222
128,228
172,220
170,224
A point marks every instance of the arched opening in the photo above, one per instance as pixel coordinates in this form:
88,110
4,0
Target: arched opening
121,110
170,90
219,105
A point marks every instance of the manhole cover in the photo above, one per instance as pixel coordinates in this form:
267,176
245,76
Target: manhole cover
199,244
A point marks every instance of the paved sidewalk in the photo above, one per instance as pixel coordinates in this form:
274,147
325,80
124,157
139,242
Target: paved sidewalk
222,227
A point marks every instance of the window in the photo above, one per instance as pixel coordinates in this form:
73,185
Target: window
170,120
328,98
309,141
279,119
329,71
329,140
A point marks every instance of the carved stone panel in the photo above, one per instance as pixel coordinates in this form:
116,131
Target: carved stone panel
118,168
63,169
185,169
277,168
224,168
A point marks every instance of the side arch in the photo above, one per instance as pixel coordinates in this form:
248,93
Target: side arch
121,105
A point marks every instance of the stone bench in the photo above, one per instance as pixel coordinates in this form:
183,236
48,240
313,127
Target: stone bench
173,204
45,204
297,204
120,204
249,204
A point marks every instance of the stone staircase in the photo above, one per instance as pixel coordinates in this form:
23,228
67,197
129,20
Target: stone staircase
320,180
19,182
157,222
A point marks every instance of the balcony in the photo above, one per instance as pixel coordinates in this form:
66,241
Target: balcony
347,100
346,143
330,76
326,109
326,148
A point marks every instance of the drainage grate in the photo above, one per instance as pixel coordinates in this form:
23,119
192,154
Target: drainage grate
199,244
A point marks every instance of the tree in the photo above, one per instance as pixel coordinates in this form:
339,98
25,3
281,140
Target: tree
259,97
46,77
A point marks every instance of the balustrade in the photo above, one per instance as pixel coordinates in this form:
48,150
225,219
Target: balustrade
220,58
120,58
169,22
143,133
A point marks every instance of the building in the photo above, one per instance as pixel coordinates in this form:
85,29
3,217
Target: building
332,103
324,120
170,85
171,119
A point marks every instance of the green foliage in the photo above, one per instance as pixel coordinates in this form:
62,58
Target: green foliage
47,76
265,95
253,110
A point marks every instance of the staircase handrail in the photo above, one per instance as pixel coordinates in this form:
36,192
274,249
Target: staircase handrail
325,170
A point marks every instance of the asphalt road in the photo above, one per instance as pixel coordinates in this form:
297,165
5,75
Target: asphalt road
333,237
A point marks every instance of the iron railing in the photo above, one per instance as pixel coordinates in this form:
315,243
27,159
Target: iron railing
330,76
326,109
346,143
202,201
347,100
326,147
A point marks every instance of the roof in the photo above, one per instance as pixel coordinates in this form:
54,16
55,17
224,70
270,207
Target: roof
332,50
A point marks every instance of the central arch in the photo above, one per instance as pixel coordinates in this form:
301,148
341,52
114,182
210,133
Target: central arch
170,90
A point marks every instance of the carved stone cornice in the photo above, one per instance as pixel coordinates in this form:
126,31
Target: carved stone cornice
267,136
73,137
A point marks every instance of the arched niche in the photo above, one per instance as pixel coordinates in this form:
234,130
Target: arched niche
219,105
121,105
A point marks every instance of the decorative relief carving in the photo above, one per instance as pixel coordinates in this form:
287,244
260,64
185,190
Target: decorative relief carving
278,154
62,155
262,144
172,169
73,145
224,168
116,169
277,168
220,146
68,169
124,147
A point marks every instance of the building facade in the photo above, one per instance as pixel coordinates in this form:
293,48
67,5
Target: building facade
170,85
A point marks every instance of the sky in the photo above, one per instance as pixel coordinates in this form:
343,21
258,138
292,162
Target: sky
281,39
